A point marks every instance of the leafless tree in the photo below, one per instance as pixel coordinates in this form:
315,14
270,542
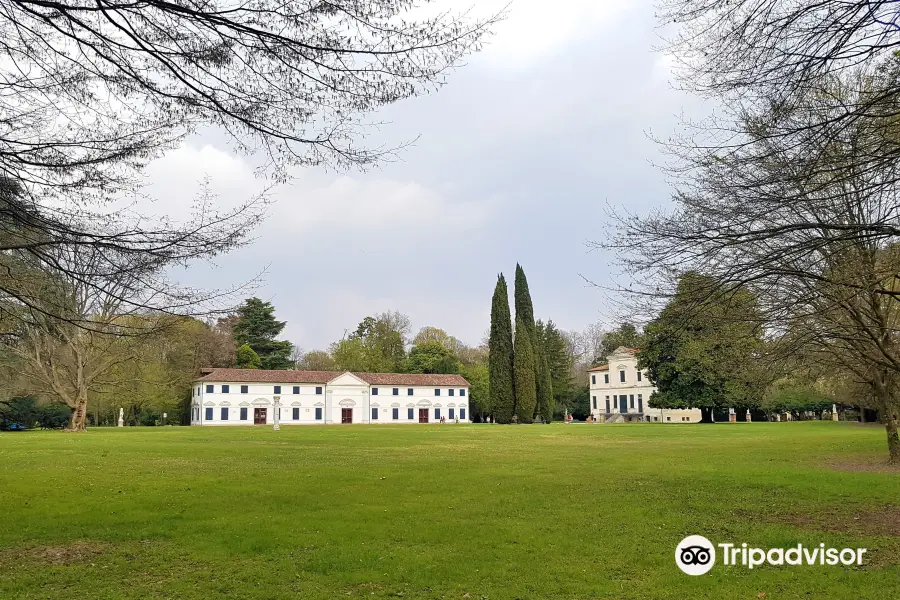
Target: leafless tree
769,49
72,333
808,225
91,91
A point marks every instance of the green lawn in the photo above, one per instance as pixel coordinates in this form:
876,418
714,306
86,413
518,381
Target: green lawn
439,511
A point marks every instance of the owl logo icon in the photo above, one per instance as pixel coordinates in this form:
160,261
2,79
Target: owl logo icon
695,555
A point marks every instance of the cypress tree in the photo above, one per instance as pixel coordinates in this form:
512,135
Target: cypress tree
526,390
525,311
524,307
500,358
545,400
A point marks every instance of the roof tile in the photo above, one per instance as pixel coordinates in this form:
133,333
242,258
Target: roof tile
290,376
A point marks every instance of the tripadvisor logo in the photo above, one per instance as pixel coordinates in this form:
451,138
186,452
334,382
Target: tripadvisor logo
696,555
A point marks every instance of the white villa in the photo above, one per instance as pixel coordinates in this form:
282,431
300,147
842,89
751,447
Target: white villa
620,393
251,397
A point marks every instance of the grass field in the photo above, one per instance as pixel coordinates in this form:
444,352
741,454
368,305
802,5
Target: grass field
443,511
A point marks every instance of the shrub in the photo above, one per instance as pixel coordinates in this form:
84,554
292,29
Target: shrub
54,415
22,410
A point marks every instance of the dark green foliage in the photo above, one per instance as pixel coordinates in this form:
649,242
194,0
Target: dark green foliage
478,375
247,358
500,362
150,418
524,306
21,410
795,396
431,357
580,402
546,402
559,359
256,326
54,415
702,350
525,384
525,313
626,335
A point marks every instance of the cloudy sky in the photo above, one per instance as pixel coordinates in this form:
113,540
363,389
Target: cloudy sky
516,160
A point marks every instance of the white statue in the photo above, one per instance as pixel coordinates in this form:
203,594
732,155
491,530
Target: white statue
277,414
834,413
121,417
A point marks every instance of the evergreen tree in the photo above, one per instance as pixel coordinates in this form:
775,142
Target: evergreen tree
560,359
500,359
546,404
703,349
525,311
524,307
525,384
247,358
626,335
256,326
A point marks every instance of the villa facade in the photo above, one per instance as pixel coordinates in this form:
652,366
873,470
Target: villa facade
620,393
224,397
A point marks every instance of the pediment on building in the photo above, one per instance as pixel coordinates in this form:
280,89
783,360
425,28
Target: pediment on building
348,379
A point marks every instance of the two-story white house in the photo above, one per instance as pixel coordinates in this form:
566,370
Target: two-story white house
620,392
251,397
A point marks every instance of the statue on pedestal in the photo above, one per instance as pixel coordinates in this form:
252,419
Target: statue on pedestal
277,414
121,417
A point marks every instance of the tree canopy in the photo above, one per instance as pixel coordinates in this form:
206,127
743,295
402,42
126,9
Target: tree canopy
703,349
257,328
500,348
431,357
247,358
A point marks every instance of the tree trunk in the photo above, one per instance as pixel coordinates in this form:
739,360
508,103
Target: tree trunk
893,440
707,415
79,415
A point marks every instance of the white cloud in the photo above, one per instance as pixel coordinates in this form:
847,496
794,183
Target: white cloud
314,203
517,159
379,207
534,29
176,178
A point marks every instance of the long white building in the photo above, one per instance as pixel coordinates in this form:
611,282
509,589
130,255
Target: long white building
620,392
251,397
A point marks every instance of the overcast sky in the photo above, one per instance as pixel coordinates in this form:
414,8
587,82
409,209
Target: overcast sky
517,159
